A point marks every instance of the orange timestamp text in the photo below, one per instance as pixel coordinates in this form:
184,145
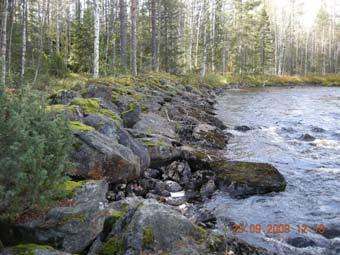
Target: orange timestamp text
276,228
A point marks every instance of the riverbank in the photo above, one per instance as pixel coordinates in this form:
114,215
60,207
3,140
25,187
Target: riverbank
146,147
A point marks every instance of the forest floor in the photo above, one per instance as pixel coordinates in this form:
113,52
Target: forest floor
193,80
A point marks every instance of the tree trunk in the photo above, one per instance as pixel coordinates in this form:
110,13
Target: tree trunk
123,33
4,42
154,43
134,37
96,39
24,39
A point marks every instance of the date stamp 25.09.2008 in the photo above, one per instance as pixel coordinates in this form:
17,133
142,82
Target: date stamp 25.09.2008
277,228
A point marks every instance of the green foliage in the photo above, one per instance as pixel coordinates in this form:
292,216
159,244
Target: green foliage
34,153
56,66
82,44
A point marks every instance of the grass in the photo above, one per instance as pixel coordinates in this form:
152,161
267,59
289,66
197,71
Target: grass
125,84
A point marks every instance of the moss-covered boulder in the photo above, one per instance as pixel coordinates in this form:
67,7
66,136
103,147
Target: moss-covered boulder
150,227
63,96
243,179
98,91
72,227
209,136
161,150
32,249
100,157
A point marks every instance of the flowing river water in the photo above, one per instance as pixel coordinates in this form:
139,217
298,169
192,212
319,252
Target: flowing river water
279,117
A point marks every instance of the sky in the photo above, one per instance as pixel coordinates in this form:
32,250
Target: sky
310,9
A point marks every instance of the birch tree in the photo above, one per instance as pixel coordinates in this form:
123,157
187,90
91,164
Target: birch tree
4,42
96,39
24,38
134,37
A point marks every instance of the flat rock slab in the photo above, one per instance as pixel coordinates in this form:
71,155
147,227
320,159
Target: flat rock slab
243,179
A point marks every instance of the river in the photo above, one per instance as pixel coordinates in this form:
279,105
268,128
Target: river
279,118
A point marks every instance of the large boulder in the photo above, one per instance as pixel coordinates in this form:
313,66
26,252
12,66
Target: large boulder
137,148
99,91
71,228
130,110
209,136
99,157
63,96
151,227
243,179
161,150
151,123
32,249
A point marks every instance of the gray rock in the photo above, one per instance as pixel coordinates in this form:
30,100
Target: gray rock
301,242
152,226
209,136
63,97
32,250
161,151
99,91
101,157
137,148
178,171
71,228
152,173
151,123
242,128
102,124
130,110
208,189
172,186
307,138
243,179
176,201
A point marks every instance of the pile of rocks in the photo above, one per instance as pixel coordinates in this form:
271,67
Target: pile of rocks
142,160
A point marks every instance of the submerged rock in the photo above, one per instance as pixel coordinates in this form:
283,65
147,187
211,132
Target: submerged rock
307,138
243,128
243,179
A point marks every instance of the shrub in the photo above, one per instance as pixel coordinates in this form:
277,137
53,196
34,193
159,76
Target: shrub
34,149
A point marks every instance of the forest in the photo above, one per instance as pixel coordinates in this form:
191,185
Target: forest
43,38
153,127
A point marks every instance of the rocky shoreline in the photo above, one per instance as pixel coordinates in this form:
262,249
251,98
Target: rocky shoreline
144,156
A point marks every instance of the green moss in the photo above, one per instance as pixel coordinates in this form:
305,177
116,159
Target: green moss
200,233
78,126
88,105
79,217
132,107
114,246
216,242
149,143
53,95
148,237
70,188
93,106
30,249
